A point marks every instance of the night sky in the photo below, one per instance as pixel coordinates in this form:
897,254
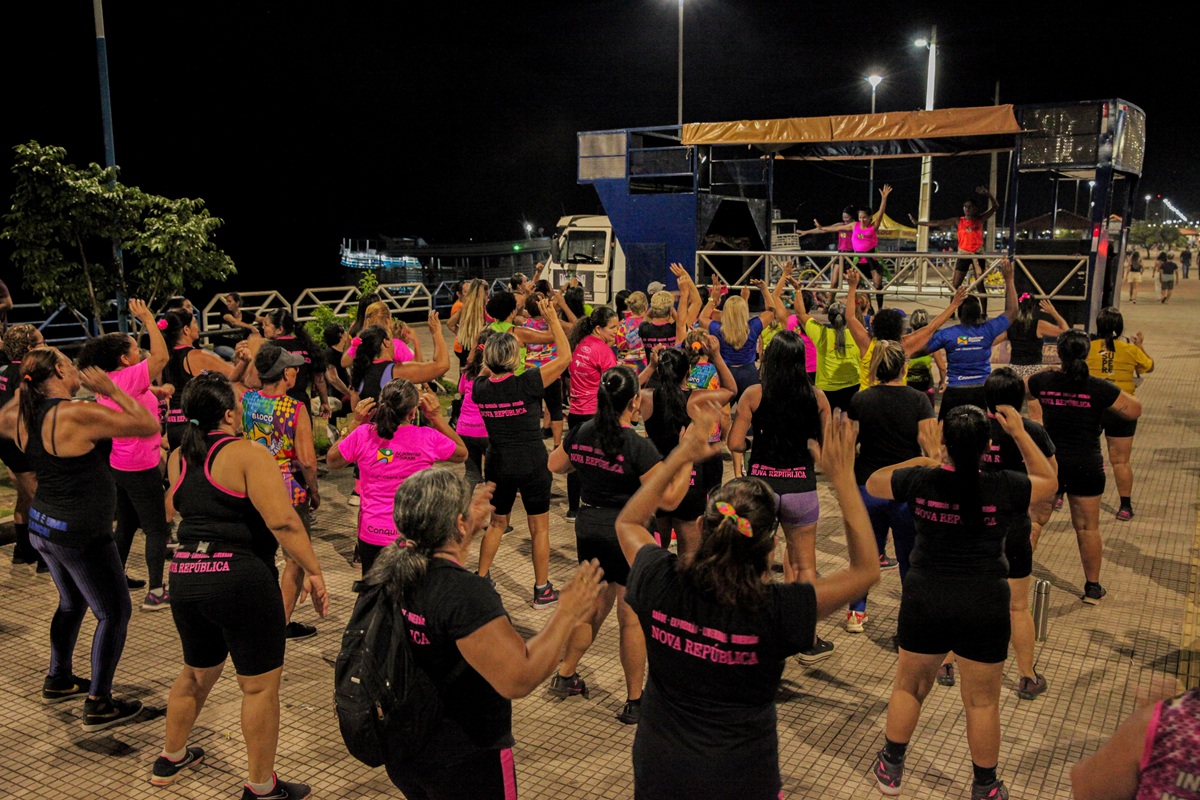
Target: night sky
301,124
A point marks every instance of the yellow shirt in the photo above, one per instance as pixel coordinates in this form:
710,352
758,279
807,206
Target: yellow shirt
834,370
1121,366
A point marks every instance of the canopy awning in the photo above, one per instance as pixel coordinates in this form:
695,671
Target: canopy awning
906,133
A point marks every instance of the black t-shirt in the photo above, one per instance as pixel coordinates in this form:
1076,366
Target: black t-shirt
1004,453
1072,413
334,358
609,482
708,714
512,413
1167,268
450,604
947,546
888,421
1025,345
654,335
782,458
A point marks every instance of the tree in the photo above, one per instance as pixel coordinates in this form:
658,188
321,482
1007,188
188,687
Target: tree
63,223
1155,236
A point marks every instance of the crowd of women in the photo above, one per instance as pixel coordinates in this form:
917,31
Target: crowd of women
657,393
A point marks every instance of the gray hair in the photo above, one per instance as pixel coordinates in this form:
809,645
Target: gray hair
502,353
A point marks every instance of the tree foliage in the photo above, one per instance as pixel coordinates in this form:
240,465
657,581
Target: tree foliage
1156,236
65,222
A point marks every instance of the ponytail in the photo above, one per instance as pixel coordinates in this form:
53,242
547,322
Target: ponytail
206,399
669,400
967,434
37,367
597,319
737,540
177,321
837,320
1110,324
618,387
368,349
1073,349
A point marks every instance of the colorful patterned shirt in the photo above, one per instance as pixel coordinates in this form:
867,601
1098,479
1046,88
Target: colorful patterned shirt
271,421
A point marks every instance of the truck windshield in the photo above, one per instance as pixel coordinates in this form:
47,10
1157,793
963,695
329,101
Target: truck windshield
584,247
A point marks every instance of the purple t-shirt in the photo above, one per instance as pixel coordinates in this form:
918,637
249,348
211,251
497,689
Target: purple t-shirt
383,464
134,453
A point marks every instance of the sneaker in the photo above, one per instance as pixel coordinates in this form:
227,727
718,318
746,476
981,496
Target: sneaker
59,690
855,620
156,602
571,515
631,712
545,598
1029,688
887,774
815,654
165,771
135,583
108,712
299,630
945,675
353,500
568,687
1125,513
283,790
1093,593
1058,501
887,563
995,790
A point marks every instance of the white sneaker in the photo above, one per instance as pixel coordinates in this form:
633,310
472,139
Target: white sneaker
354,499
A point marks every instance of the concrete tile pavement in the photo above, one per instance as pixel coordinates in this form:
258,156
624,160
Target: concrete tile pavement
1100,661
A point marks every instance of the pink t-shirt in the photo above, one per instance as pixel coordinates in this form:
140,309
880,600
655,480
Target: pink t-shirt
399,348
810,350
383,465
470,421
591,358
134,453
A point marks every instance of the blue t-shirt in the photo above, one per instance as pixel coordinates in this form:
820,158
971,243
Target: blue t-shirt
747,352
968,350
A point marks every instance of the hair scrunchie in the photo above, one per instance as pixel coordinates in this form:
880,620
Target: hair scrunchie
195,422
162,324
743,524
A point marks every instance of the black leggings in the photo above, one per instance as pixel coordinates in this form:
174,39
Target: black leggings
140,504
574,420
486,775
476,449
87,577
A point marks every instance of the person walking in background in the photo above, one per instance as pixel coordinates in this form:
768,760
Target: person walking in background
70,519
1133,274
1185,261
1073,407
1165,269
1123,363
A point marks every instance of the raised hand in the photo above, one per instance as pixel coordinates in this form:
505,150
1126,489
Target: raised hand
1047,307
835,454
97,381
960,294
694,443
886,190
853,277
1010,420
429,404
1006,268
435,323
1137,339
364,410
141,312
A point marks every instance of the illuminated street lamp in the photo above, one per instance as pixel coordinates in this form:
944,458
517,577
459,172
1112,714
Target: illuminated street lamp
874,80
680,63
926,161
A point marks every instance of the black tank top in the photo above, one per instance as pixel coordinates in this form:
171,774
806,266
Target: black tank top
781,458
375,378
1025,346
76,496
662,431
223,519
176,373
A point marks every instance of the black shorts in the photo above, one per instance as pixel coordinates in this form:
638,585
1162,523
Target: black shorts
1117,427
245,622
483,775
534,486
706,476
13,458
1080,481
967,616
596,537
866,265
962,396
965,265
554,400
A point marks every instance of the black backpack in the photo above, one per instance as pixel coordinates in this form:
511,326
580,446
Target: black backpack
386,705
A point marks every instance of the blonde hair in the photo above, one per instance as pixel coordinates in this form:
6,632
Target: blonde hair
661,304
887,362
735,322
470,316
379,311
502,354
636,303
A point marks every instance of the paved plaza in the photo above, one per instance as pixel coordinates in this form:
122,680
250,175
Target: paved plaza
1100,661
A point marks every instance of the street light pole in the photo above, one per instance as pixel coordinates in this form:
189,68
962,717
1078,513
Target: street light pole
874,80
926,161
681,64
110,156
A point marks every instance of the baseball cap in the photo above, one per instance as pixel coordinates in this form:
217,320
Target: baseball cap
655,286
